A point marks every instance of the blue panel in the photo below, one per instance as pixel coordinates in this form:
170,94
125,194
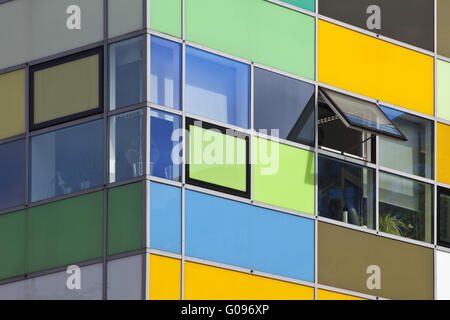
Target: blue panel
125,73
247,236
217,87
165,217
166,73
66,160
12,174
165,152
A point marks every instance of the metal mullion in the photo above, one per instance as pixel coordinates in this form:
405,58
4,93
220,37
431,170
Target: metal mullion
126,109
252,138
293,7
217,123
164,254
435,189
284,73
217,52
377,184
13,68
347,292
13,209
349,159
406,175
65,196
316,154
125,182
283,141
66,125
127,254
164,181
27,136
127,36
165,109
165,36
443,121
105,148
184,160
346,225
446,59
18,137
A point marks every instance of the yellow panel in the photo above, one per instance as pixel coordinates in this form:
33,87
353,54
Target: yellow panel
12,104
443,153
330,295
210,283
66,89
362,64
165,278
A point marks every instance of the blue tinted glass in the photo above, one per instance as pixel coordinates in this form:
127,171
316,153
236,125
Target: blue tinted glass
162,145
247,236
66,160
165,84
12,174
125,146
165,217
125,73
346,192
217,87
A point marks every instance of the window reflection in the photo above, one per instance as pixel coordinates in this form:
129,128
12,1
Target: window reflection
444,217
12,174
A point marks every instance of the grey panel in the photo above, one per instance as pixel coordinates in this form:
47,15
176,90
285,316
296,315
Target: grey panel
125,279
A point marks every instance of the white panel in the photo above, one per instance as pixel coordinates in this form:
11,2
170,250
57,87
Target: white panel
442,275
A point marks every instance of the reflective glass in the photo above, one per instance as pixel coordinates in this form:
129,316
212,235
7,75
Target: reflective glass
125,73
125,146
444,217
284,104
217,87
416,155
346,192
165,145
12,174
165,79
66,160
406,207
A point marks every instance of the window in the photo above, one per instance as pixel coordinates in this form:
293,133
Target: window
165,145
125,146
66,89
12,103
217,87
284,104
406,207
218,158
443,217
12,173
346,192
125,73
415,155
165,80
66,160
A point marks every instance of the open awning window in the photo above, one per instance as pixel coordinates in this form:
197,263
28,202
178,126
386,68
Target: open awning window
360,114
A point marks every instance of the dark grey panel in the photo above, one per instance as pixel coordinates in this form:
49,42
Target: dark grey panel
409,21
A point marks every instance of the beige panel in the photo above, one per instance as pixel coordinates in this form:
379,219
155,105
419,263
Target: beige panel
12,104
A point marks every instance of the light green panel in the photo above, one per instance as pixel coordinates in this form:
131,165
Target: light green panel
305,4
283,176
12,244
443,90
256,30
217,158
165,16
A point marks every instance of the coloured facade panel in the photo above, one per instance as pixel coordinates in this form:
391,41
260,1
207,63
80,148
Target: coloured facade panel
331,295
443,153
443,28
124,16
125,279
166,16
375,68
443,92
165,278
12,103
442,275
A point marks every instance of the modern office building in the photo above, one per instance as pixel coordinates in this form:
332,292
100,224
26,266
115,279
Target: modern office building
225,149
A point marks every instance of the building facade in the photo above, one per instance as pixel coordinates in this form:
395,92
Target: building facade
224,149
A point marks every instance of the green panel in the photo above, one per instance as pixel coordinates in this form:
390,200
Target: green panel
165,16
305,4
125,218
256,30
217,158
12,244
443,90
65,232
283,176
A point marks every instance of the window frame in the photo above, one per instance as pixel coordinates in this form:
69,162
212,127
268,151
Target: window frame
59,61
441,191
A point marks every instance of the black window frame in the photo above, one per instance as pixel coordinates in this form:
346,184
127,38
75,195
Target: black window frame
59,61
216,187
445,191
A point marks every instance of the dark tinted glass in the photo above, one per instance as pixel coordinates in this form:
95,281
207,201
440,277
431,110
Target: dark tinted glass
409,21
12,174
284,104
444,217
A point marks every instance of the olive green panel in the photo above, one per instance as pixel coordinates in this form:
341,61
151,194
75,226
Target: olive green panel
66,89
125,218
64,232
305,4
165,16
12,104
256,30
356,260
443,28
12,244
443,90
283,176
217,158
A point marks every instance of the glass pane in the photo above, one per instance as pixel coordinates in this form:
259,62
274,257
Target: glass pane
66,160
444,217
165,145
61,89
124,16
125,73
125,146
165,80
360,113
406,207
12,174
416,155
125,279
12,103
217,87
284,104
346,192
